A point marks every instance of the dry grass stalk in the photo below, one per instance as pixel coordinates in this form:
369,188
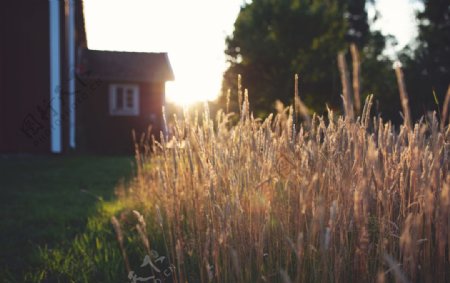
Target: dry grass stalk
346,91
119,236
395,267
245,203
356,75
294,108
299,106
445,109
239,85
228,100
403,94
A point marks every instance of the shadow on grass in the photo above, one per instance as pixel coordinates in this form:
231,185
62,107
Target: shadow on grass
46,201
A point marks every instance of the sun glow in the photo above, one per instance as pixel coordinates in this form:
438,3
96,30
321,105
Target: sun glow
191,32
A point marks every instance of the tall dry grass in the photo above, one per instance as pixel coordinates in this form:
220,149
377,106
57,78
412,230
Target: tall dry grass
348,200
346,89
403,94
356,63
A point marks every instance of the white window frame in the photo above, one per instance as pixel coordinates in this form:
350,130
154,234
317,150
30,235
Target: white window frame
125,110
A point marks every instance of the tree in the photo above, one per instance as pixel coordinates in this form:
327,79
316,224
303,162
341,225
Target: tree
273,40
375,73
358,26
427,68
434,38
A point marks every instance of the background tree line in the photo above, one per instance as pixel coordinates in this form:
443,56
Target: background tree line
275,39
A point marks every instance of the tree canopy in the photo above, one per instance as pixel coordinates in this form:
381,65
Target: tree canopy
428,65
273,40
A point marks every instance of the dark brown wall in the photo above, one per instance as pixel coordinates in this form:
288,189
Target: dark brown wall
2,103
101,133
24,72
25,78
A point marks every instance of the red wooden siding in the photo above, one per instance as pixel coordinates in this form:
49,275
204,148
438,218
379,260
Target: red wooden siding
24,73
100,132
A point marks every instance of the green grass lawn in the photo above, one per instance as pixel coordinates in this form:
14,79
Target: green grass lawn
45,204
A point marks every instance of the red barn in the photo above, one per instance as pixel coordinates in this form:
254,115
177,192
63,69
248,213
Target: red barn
57,96
126,91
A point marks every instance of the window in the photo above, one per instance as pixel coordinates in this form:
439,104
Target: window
123,100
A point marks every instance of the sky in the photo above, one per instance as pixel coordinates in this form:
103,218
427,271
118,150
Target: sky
397,17
193,33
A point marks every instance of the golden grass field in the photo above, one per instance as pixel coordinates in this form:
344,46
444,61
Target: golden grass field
334,199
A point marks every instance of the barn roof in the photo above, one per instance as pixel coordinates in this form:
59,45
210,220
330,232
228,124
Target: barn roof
127,66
